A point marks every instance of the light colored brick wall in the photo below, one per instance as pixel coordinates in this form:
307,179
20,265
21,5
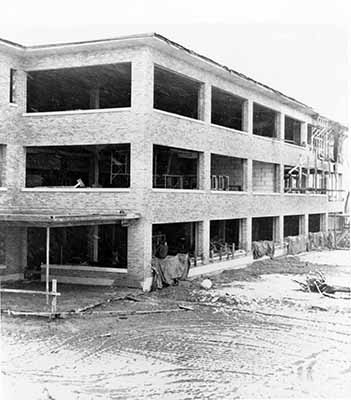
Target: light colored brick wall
142,127
264,177
229,166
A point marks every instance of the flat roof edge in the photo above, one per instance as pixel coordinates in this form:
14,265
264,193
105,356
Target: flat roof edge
308,109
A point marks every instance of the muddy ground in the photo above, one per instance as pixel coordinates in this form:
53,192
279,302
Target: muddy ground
253,335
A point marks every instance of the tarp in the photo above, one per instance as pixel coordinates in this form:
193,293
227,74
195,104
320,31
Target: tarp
169,270
296,244
262,248
312,241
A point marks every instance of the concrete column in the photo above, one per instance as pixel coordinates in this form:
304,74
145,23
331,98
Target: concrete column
204,240
280,126
248,234
248,116
204,171
21,91
279,229
306,227
16,252
302,225
15,161
249,175
143,83
141,159
205,98
324,222
304,133
281,178
139,251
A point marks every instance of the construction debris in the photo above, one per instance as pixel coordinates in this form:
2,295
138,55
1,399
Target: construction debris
315,282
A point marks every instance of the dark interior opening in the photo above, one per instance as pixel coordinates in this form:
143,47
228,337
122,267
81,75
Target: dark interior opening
180,237
291,225
99,245
314,223
2,245
227,173
175,168
264,121
176,93
98,166
309,133
81,88
224,233
292,131
226,109
262,228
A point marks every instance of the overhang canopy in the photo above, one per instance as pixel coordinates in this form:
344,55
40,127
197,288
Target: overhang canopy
47,219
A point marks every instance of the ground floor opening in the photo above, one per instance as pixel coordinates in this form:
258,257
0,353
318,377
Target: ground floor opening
292,225
314,223
226,236
263,228
97,245
179,237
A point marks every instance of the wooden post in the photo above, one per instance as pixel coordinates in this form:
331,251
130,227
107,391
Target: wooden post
47,261
54,298
233,250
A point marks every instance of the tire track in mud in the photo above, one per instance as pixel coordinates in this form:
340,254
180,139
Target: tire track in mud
213,358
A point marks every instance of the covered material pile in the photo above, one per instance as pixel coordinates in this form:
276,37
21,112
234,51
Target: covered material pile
296,244
262,248
169,270
312,241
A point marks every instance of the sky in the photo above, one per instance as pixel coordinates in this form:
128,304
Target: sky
301,48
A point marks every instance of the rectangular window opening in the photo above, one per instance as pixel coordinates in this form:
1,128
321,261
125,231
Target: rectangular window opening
173,238
262,229
227,173
314,223
227,109
226,237
292,225
13,75
264,121
176,93
97,245
292,131
175,168
86,166
80,88
265,177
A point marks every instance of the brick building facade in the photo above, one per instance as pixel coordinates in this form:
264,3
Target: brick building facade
196,152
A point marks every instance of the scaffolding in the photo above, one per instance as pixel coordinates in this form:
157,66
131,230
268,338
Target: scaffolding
318,172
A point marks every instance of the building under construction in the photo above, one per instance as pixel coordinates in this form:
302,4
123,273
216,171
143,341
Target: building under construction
110,148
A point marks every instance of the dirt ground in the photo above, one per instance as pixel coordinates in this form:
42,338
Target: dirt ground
253,335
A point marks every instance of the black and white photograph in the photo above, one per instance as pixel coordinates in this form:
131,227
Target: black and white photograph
175,183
